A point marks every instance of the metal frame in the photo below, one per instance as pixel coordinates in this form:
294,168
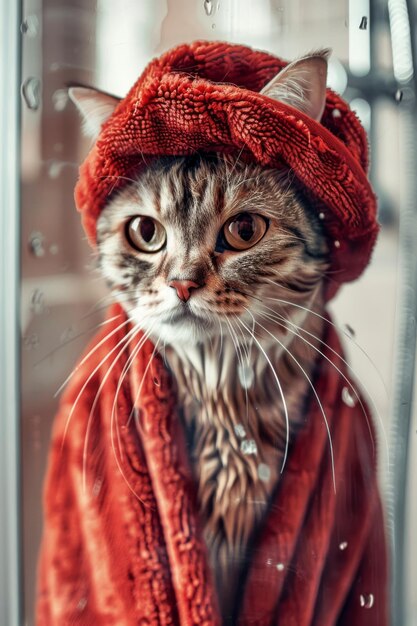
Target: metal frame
401,15
10,570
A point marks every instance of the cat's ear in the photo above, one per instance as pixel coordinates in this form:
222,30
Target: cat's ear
302,84
95,107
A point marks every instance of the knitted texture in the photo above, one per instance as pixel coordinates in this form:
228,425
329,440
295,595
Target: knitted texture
204,97
122,542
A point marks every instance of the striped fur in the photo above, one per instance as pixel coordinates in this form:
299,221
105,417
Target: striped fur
237,436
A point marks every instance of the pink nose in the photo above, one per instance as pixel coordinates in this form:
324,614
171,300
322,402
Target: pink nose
183,288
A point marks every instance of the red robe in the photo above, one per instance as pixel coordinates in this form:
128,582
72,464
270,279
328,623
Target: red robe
127,549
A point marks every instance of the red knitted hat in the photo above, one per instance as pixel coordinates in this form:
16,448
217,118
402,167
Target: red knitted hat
204,97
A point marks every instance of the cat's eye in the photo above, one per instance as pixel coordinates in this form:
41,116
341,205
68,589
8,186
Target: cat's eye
244,230
145,234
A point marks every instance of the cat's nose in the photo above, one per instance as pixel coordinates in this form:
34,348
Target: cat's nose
183,288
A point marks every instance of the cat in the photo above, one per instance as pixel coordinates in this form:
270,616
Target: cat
221,262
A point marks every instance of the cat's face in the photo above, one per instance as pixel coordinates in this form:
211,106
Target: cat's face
196,243
200,246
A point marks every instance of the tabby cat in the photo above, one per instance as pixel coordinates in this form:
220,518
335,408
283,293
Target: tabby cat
221,261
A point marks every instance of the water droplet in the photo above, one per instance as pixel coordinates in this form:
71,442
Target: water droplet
367,600
398,95
60,99
280,567
54,169
97,487
156,381
343,545
321,216
364,23
82,604
208,7
213,26
248,446
348,397
240,430
246,375
36,244
67,334
31,342
349,331
337,244
54,249
264,472
37,302
30,26
31,93
336,113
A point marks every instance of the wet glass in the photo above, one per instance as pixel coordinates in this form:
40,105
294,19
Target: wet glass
62,298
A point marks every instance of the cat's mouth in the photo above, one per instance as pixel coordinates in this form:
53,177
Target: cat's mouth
185,315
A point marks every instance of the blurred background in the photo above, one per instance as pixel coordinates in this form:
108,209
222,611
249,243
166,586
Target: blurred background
62,300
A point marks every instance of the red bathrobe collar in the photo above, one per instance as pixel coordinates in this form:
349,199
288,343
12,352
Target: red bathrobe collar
129,550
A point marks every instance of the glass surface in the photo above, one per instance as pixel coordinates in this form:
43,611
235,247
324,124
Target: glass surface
63,300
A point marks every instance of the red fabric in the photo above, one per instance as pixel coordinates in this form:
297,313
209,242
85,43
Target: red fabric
128,549
205,97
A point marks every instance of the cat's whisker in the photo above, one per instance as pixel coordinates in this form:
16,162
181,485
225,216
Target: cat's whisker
243,346
122,376
125,338
117,177
339,328
142,382
250,346
92,311
101,305
97,306
74,338
133,332
240,361
329,436
339,356
124,373
113,421
299,328
348,382
90,353
287,421
123,475
247,353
